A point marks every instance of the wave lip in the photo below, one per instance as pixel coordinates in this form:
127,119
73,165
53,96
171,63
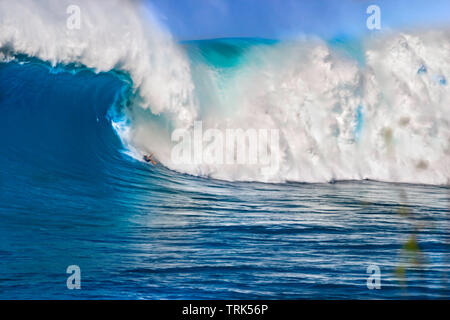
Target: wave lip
113,35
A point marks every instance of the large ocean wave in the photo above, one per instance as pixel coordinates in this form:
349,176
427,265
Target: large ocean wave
346,109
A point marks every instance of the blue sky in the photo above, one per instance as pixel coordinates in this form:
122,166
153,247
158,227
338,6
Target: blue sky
200,19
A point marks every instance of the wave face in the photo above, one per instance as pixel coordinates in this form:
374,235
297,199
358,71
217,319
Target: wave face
345,109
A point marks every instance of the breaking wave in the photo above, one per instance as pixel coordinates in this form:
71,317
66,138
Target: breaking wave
346,109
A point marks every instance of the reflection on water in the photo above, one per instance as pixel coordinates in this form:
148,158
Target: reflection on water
158,234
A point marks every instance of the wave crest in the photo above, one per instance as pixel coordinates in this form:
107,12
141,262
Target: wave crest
377,109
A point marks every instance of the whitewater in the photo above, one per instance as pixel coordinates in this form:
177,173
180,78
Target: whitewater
374,108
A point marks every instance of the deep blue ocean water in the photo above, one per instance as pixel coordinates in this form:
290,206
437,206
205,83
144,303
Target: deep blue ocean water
70,196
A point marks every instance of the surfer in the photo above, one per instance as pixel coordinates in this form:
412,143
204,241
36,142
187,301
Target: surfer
148,158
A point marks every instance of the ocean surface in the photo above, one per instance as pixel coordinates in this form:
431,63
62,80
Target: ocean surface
71,195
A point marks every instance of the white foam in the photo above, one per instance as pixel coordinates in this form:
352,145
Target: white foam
311,93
